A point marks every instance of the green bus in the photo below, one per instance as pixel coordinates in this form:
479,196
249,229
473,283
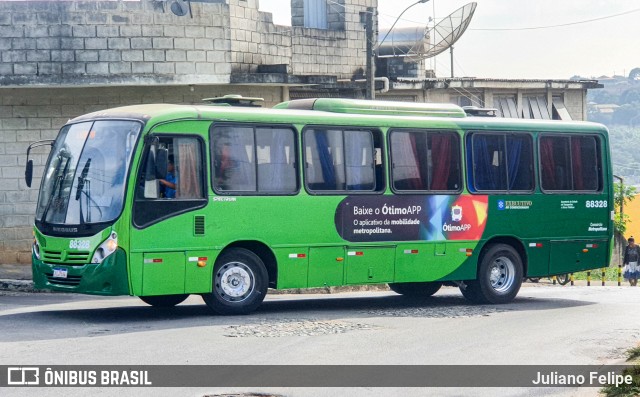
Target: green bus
162,201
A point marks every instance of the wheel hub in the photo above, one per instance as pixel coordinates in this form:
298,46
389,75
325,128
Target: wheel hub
236,281
502,274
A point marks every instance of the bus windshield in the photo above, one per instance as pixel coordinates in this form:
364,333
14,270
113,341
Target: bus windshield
84,181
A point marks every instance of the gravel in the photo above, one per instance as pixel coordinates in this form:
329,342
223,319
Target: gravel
284,327
437,312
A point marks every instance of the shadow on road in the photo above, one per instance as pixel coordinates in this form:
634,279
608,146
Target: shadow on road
47,324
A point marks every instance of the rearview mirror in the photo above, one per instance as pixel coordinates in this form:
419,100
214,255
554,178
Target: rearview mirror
28,173
162,160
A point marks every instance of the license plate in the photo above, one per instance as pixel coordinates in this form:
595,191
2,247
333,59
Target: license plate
60,273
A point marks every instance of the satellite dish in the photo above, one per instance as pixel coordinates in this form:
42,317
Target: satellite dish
414,42
180,8
449,30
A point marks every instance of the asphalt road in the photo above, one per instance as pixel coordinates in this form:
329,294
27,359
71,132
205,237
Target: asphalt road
545,325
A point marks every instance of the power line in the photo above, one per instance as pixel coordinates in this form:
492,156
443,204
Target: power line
560,25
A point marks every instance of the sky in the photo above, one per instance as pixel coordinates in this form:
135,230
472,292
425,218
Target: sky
606,45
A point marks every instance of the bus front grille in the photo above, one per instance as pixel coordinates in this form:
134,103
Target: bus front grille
70,281
64,257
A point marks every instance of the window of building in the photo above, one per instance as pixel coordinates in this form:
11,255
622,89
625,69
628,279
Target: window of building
254,159
506,105
559,110
535,107
501,162
315,14
570,163
425,161
343,160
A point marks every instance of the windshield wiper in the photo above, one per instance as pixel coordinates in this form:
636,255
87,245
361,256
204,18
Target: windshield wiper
82,181
57,186
82,178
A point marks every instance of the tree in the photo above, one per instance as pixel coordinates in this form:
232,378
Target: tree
622,196
634,75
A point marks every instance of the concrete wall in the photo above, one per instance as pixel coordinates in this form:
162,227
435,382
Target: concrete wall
339,52
255,40
129,42
28,114
112,42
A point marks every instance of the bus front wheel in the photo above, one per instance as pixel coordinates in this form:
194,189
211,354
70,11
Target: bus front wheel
418,290
499,276
240,282
164,300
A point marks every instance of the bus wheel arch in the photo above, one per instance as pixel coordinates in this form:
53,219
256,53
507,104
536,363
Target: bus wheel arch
264,252
507,240
500,271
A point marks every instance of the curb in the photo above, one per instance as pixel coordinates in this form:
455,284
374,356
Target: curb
17,286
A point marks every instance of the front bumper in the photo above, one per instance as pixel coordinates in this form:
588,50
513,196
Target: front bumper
107,278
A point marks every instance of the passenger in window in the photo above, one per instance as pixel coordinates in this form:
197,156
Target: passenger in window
168,185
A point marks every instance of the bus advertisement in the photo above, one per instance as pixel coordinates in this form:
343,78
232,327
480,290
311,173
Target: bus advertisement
164,201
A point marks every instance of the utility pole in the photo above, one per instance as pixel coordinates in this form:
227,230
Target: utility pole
370,72
451,52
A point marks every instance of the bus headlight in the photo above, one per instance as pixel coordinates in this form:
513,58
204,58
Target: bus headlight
36,248
105,249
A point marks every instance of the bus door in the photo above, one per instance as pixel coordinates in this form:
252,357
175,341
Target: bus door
169,250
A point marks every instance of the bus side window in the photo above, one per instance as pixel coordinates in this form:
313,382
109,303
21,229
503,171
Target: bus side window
254,160
339,160
425,161
502,162
570,163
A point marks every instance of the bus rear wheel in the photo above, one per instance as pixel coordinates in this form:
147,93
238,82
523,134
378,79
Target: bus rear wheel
240,282
418,290
499,276
164,300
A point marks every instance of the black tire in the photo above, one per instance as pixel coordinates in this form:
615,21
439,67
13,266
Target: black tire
164,300
240,282
418,290
563,279
499,276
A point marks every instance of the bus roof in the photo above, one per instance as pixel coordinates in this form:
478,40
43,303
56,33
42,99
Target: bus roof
385,108
282,114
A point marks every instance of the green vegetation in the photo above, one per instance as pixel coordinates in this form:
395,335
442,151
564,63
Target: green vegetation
622,195
625,155
611,274
633,356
